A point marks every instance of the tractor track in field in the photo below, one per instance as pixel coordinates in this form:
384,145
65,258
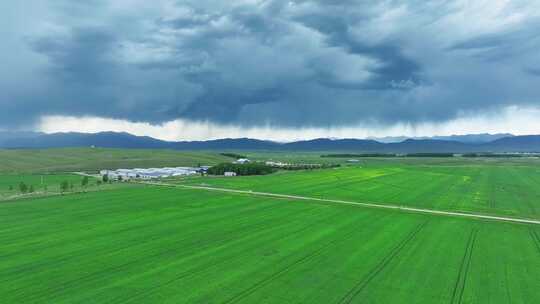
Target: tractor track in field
54,291
535,237
130,229
352,203
306,258
459,287
133,228
221,240
205,267
359,286
62,259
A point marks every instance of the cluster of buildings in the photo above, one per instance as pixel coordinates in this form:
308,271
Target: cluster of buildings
152,173
276,164
291,165
242,161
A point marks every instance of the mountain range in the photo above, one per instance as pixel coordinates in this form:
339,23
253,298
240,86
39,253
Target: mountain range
468,138
456,143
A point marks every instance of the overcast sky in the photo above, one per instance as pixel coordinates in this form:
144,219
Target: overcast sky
270,69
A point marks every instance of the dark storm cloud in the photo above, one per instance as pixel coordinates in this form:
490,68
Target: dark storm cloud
297,63
397,67
81,58
503,46
533,71
89,79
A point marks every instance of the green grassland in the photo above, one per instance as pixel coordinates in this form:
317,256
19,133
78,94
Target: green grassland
42,183
93,159
291,157
128,243
500,187
166,245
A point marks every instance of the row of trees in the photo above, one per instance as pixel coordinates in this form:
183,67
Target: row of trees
262,169
358,155
495,155
430,155
233,155
24,188
64,186
241,169
308,166
388,155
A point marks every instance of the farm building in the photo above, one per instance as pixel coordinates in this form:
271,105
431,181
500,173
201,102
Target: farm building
242,161
229,173
150,173
276,164
203,169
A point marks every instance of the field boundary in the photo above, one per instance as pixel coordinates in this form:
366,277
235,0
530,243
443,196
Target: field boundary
361,204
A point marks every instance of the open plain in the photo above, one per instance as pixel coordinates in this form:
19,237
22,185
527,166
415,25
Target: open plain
151,244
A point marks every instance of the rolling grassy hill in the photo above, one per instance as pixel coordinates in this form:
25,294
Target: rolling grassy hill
88,159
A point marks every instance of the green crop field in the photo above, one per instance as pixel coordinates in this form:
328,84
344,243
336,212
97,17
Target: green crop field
166,245
499,187
41,183
88,159
129,243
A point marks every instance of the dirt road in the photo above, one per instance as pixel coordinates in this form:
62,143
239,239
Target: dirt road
368,205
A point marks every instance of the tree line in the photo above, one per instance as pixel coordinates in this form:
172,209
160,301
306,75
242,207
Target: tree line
64,186
430,155
241,169
233,155
502,155
294,167
352,155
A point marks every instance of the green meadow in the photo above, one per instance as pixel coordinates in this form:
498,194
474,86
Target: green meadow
498,187
166,245
133,243
94,159
41,183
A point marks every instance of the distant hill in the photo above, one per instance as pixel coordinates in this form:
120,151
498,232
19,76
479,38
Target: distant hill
429,146
468,143
123,140
474,138
469,138
526,143
61,140
325,144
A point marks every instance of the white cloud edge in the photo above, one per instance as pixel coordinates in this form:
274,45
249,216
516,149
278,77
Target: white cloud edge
515,120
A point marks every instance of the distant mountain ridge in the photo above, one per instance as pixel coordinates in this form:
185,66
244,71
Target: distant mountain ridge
30,140
467,138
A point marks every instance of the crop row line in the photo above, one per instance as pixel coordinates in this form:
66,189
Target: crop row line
535,237
353,292
228,236
243,294
66,257
131,229
207,266
459,287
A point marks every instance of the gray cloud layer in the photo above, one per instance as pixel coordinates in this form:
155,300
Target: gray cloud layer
248,62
